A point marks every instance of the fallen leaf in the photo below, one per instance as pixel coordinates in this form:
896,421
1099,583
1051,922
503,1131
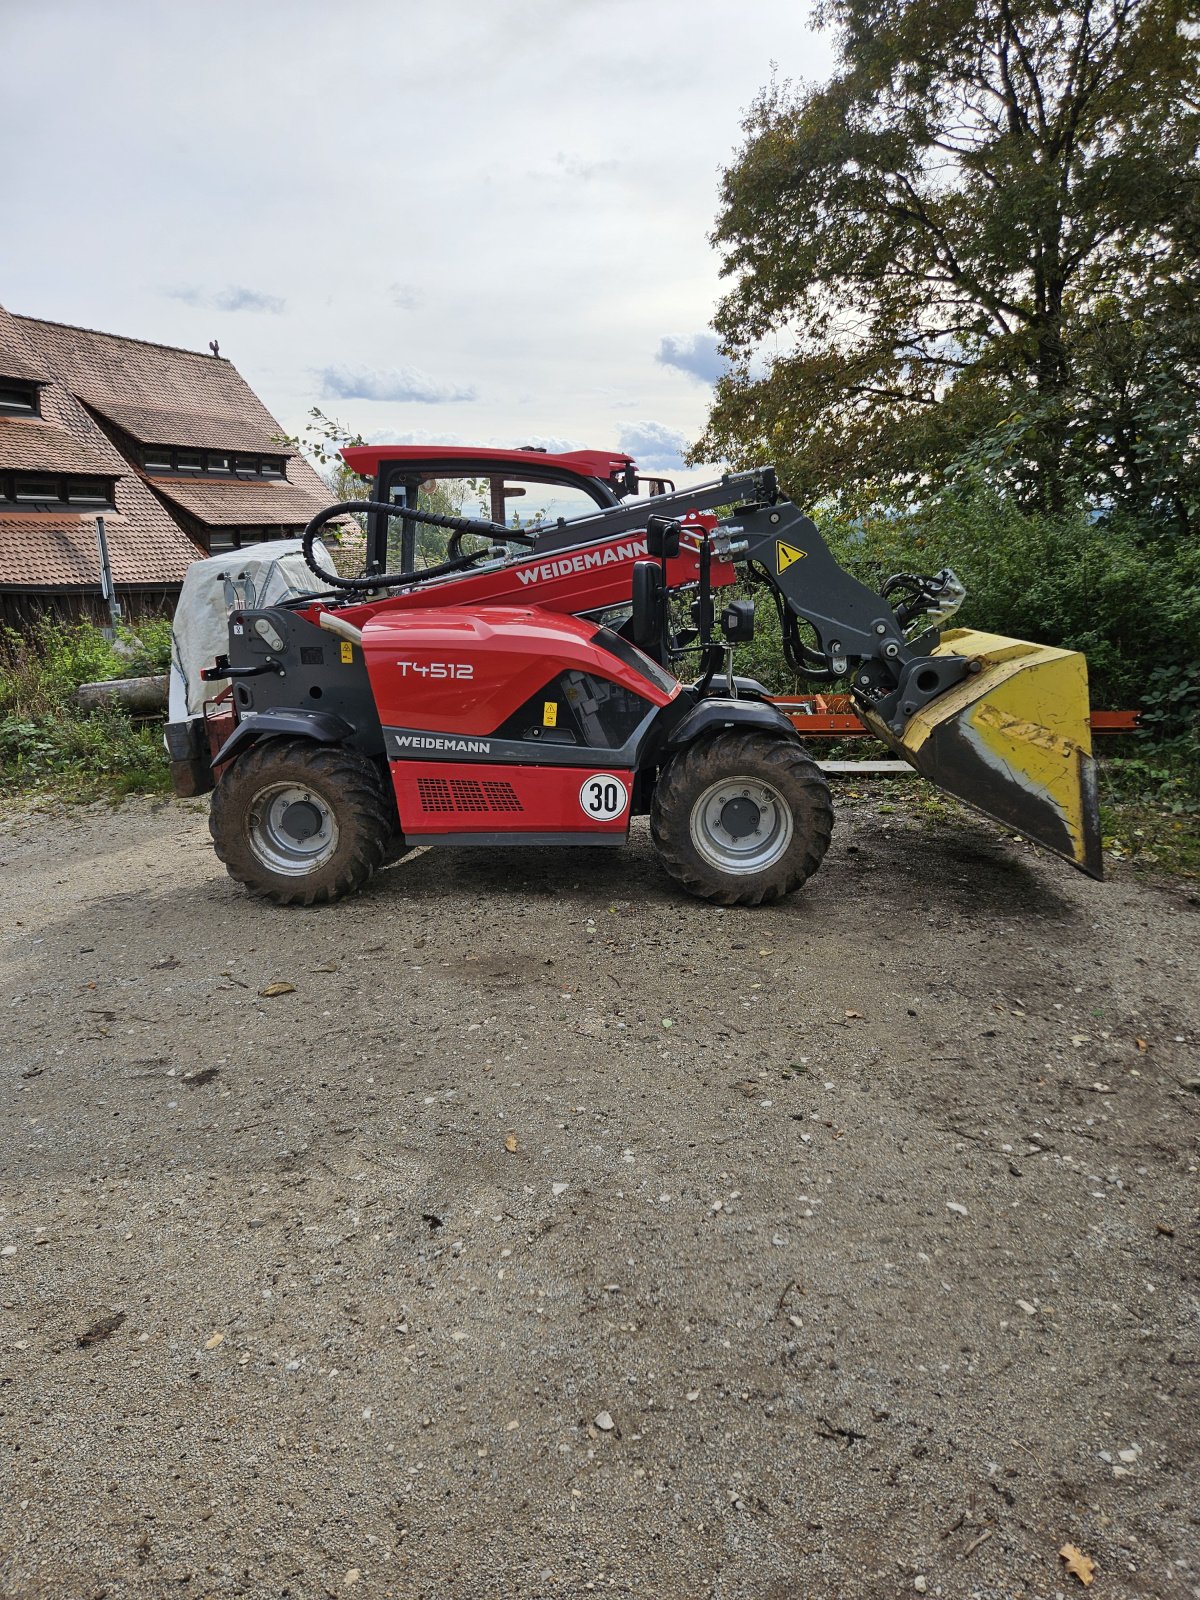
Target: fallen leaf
217,1338
101,1329
1078,1565
510,1143
351,1577
273,989
1164,1228
1142,1045
857,1014
668,1022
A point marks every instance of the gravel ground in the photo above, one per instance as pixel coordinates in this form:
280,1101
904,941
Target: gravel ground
555,1234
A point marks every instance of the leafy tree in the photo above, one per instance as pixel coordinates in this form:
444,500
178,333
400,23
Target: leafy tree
980,238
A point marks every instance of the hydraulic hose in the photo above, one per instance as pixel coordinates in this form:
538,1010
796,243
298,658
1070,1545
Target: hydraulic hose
385,580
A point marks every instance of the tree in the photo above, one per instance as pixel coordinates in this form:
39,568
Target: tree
981,235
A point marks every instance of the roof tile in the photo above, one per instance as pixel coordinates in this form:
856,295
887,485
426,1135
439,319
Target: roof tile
230,502
195,430
31,446
47,550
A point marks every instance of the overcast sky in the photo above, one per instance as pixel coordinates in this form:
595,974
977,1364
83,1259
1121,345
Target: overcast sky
482,221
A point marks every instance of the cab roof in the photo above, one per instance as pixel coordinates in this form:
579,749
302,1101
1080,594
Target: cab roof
366,459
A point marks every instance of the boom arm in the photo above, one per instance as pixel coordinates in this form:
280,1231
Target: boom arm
857,630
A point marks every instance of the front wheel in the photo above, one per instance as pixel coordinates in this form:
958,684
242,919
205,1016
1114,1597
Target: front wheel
742,818
300,822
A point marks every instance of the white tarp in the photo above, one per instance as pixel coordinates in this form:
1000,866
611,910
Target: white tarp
259,575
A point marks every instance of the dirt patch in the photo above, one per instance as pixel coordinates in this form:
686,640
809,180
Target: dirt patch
556,1234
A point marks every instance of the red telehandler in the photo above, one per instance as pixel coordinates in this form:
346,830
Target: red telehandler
525,689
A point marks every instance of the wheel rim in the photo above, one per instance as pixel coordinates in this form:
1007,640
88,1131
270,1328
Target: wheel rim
741,825
291,829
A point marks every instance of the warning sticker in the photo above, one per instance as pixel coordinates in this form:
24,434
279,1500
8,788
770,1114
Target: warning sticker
786,555
549,714
347,651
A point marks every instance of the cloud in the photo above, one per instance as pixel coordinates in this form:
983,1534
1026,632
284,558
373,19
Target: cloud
404,296
422,437
415,436
398,384
655,447
699,356
236,298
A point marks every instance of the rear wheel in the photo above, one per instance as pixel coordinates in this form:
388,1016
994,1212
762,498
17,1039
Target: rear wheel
302,823
742,818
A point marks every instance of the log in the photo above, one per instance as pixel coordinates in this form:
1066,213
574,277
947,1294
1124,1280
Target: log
141,697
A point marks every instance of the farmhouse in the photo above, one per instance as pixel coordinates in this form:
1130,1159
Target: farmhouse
173,449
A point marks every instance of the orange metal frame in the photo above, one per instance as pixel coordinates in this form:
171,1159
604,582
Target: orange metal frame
832,716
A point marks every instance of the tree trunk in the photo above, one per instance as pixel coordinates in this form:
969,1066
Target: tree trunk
141,697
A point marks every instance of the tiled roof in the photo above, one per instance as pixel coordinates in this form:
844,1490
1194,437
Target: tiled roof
138,386
241,503
194,430
15,363
105,371
46,550
30,446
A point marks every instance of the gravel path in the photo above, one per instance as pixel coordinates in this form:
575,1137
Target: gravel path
556,1235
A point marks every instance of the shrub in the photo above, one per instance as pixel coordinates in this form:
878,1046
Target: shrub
46,741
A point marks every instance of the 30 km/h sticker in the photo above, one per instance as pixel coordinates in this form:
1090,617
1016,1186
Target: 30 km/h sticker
603,797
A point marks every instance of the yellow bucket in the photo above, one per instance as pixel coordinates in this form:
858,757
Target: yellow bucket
1014,740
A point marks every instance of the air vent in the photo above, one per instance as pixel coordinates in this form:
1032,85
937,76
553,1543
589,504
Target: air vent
466,794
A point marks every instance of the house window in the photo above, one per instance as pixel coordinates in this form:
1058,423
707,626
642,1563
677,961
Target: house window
89,491
160,458
35,488
18,399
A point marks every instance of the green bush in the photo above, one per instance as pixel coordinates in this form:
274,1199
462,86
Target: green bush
46,741
1124,594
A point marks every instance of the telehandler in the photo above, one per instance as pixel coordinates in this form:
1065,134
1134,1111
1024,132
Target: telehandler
525,689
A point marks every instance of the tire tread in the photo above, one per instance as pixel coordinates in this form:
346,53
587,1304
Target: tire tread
366,814
689,772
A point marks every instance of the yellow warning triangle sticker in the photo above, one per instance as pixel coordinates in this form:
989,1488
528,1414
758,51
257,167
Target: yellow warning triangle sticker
787,554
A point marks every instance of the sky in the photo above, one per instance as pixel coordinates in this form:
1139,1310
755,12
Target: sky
473,221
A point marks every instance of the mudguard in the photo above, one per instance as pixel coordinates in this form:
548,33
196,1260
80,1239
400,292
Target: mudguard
714,715
1013,740
326,727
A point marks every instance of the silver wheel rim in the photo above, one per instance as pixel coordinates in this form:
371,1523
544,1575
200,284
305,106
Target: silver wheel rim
741,825
291,829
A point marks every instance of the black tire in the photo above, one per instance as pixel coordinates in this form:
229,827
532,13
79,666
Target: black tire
747,848
302,823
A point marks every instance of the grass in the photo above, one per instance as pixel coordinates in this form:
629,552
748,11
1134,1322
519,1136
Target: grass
47,744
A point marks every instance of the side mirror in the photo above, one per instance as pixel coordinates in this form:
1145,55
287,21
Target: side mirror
648,622
662,537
